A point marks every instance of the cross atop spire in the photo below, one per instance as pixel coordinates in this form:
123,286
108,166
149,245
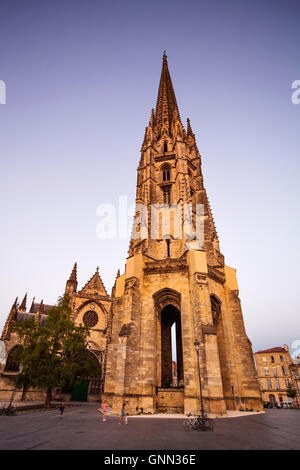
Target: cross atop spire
166,104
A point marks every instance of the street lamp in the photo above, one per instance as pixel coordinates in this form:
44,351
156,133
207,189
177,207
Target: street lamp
197,347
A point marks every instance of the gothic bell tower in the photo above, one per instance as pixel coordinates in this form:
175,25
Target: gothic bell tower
175,282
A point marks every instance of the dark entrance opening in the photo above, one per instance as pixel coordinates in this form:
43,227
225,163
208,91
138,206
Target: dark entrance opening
170,316
88,390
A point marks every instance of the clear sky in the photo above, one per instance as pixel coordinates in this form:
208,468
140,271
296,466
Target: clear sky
82,77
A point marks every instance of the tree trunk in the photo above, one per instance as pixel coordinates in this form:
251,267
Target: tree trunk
48,398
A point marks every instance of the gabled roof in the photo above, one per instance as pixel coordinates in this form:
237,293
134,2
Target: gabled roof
95,284
35,307
272,350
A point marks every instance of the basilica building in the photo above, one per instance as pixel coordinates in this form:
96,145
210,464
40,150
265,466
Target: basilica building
175,290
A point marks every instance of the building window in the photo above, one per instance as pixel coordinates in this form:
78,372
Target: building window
281,358
166,172
277,384
275,371
168,247
165,146
264,359
12,363
272,359
284,371
287,383
296,373
267,372
269,384
90,319
191,182
167,195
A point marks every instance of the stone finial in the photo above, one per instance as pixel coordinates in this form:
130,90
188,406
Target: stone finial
22,307
73,276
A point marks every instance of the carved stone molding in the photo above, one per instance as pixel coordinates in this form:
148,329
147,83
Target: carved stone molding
95,348
127,328
166,266
219,257
131,282
94,296
200,278
166,297
216,275
209,330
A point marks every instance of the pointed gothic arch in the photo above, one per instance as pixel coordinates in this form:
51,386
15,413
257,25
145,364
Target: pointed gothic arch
166,296
91,302
165,172
12,363
167,304
218,321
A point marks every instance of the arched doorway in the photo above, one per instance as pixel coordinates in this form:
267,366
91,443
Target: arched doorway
228,388
171,347
169,387
12,362
90,389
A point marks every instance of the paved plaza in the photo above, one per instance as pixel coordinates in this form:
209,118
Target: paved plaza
82,428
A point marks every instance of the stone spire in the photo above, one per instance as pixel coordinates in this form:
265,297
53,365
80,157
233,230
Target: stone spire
189,128
11,317
40,312
41,309
73,276
167,145
32,306
166,104
22,307
71,285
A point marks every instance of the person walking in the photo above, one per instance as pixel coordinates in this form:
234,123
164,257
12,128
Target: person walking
122,414
104,408
126,418
62,407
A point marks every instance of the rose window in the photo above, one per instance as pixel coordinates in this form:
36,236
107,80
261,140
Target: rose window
90,318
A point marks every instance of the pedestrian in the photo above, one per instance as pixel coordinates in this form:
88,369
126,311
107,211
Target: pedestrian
122,414
104,411
62,407
126,418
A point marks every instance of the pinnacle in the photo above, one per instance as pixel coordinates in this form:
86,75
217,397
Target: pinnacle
22,307
15,304
166,100
152,118
189,127
41,307
73,276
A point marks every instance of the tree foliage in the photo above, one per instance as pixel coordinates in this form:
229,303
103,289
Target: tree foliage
55,353
291,392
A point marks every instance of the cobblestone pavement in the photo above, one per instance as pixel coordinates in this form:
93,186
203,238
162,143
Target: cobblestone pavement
82,428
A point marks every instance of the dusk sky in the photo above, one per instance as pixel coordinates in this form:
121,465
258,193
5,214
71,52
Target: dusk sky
81,79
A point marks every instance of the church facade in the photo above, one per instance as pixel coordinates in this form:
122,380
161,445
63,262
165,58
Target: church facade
176,289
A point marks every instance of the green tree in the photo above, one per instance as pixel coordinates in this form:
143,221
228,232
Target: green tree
54,354
291,392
